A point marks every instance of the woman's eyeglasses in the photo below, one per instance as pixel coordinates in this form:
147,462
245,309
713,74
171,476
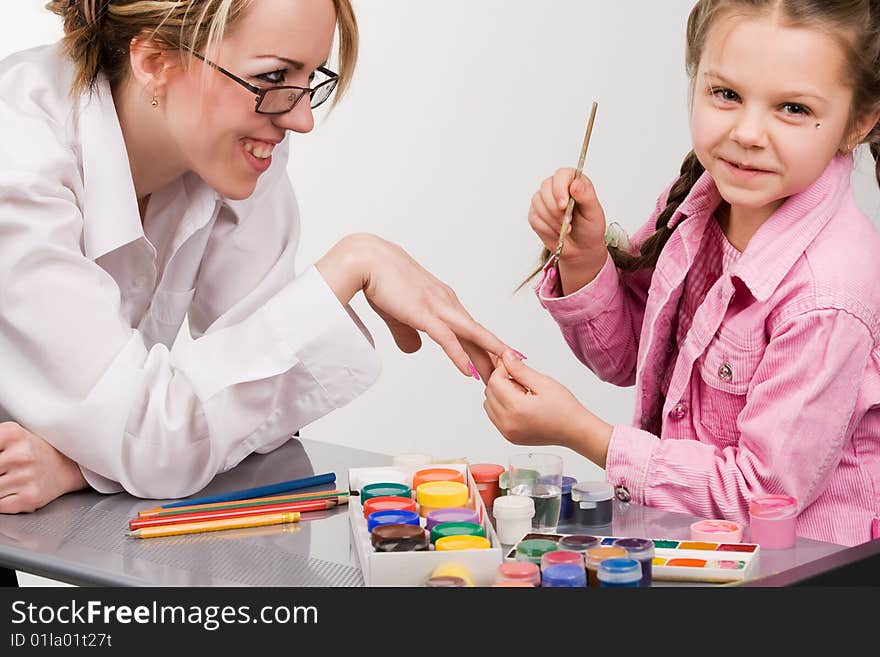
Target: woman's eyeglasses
280,100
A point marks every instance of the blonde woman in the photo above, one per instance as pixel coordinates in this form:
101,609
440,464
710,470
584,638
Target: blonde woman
143,179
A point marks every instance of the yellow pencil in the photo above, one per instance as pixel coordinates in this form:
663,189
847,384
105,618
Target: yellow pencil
259,520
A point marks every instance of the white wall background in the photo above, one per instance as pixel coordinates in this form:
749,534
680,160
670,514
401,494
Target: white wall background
457,112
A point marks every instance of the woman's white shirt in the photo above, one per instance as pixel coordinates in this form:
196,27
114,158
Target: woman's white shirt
91,301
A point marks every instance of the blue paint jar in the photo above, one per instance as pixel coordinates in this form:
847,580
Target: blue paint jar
392,517
619,572
564,575
566,510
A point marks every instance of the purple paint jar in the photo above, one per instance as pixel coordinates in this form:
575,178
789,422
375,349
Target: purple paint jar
642,550
452,514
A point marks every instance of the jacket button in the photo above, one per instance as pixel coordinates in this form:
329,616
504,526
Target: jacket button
622,494
725,373
679,411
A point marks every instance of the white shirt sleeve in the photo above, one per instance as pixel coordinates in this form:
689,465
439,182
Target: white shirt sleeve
273,351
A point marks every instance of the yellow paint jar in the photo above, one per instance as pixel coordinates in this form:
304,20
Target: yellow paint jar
441,495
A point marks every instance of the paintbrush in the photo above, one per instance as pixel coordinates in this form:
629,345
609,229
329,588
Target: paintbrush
569,210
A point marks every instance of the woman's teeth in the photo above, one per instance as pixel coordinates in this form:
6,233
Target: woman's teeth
258,150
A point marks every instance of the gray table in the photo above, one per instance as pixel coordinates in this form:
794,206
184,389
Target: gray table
80,538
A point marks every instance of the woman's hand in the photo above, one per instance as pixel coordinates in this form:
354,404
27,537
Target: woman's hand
585,252
409,299
32,472
531,409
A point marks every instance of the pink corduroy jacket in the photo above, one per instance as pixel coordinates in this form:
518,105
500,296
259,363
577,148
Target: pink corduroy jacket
776,388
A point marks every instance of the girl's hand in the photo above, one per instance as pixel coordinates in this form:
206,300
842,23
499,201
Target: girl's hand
585,252
32,472
410,300
529,408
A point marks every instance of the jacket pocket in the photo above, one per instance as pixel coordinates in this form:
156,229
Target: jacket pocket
726,369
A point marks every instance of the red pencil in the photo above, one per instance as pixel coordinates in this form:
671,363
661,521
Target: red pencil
310,505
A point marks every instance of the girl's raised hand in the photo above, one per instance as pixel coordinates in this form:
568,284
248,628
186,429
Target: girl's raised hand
585,252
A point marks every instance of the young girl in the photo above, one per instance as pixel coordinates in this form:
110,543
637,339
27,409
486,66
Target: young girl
747,311
144,179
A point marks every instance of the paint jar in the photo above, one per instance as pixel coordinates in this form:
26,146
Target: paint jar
597,555
513,517
462,543
519,571
619,573
773,521
564,574
388,504
486,477
456,529
435,474
411,461
503,480
532,549
453,514
441,495
445,581
512,584
556,557
716,531
385,489
399,538
363,477
453,569
642,550
579,543
566,508
592,502
392,517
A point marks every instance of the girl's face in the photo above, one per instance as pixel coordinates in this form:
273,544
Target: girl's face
760,92
211,118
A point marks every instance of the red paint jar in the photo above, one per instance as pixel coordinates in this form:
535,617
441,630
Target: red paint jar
486,478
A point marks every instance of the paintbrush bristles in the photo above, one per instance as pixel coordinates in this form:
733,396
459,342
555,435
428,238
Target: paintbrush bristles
569,209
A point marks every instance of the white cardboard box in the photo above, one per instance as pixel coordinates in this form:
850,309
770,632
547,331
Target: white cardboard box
413,568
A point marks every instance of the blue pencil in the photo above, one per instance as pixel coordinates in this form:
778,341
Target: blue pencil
259,491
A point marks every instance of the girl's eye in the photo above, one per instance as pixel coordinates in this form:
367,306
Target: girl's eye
794,109
275,77
725,95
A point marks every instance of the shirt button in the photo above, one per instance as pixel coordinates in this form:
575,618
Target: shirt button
725,373
622,494
140,281
679,411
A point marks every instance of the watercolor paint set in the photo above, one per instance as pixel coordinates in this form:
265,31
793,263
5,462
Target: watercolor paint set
690,561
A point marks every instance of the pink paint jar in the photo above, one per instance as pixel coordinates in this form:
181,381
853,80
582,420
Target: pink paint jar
716,531
773,519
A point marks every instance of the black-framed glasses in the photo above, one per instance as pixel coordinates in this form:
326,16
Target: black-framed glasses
281,100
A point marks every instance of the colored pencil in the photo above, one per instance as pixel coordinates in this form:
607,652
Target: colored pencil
260,520
278,499
302,507
569,209
259,491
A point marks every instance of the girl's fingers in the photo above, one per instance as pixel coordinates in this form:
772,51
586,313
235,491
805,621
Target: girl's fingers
539,207
561,182
551,199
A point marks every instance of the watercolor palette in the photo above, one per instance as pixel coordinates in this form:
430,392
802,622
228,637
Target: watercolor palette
690,561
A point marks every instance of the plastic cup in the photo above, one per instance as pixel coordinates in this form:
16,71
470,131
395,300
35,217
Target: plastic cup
539,476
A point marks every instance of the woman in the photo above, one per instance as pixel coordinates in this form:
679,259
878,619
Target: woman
149,183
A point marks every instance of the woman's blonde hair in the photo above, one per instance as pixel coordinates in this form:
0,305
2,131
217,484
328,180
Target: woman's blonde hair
97,33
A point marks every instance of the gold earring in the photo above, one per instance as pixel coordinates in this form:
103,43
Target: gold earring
155,101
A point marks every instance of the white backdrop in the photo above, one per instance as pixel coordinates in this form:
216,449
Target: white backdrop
457,112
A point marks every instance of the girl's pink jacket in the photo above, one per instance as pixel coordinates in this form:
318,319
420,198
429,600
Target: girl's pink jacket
776,388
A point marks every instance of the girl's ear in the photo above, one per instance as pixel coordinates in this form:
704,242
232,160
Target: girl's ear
861,129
